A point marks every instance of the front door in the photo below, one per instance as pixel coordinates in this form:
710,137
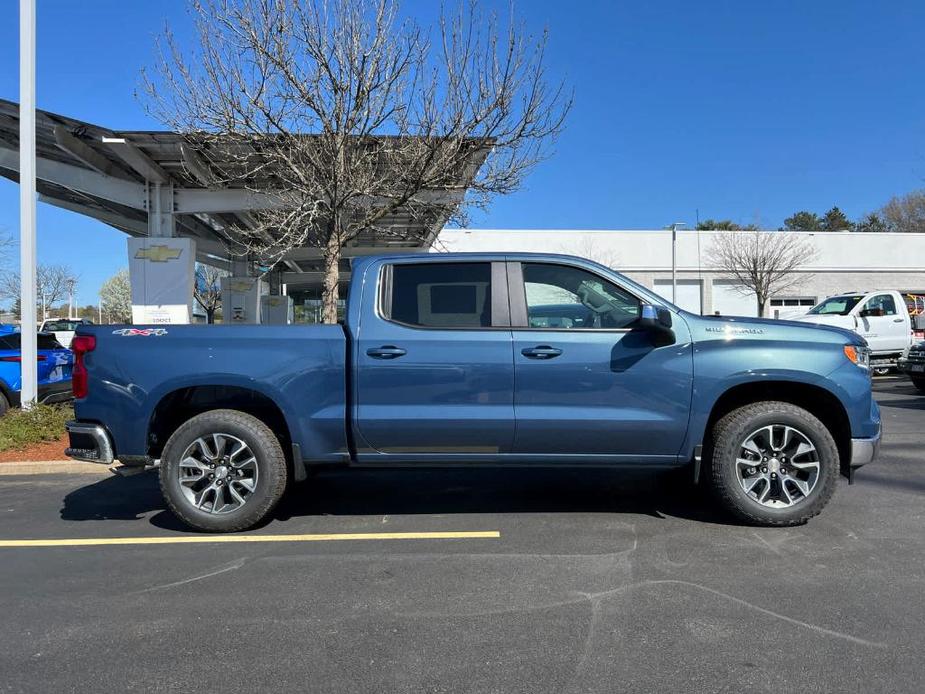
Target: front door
434,370
880,323
588,381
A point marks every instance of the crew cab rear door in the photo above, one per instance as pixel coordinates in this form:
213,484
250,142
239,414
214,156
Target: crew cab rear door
588,380
434,373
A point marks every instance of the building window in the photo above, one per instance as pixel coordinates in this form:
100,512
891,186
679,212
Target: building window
795,302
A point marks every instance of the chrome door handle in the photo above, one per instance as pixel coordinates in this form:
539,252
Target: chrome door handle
541,352
897,320
386,352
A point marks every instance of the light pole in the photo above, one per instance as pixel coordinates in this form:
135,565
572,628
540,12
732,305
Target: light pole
674,260
70,299
29,337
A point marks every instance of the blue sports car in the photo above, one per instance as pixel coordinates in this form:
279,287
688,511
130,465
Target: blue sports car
54,370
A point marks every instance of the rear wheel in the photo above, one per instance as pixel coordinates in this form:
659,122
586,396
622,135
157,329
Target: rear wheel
222,471
4,404
773,464
919,383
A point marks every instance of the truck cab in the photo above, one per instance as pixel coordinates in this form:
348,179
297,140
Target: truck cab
880,317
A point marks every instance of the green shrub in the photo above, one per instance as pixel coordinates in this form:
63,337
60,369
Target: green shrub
22,428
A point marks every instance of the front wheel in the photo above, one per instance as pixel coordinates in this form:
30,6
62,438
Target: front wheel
222,471
773,464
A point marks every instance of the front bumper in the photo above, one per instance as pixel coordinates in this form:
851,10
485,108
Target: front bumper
89,442
865,451
911,367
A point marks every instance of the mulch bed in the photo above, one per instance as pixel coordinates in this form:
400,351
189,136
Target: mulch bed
48,450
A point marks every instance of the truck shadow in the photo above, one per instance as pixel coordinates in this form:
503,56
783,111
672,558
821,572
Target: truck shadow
426,492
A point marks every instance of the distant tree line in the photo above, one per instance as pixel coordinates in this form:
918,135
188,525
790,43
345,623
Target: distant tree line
903,213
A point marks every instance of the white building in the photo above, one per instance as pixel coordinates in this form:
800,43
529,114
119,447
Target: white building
844,261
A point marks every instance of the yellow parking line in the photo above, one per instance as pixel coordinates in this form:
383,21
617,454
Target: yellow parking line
189,539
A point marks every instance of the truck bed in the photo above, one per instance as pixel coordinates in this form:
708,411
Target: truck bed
138,371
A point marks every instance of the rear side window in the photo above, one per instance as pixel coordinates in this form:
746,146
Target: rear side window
9,341
440,295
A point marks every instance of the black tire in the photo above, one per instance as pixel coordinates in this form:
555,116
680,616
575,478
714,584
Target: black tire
4,404
919,383
733,429
270,465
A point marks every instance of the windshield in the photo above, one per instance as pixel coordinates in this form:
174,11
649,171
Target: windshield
836,305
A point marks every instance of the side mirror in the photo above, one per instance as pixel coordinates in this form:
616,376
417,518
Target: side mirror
654,318
872,312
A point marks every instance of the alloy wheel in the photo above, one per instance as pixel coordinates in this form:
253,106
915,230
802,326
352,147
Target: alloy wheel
777,466
218,473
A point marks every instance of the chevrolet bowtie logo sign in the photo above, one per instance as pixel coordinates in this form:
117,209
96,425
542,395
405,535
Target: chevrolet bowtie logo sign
158,254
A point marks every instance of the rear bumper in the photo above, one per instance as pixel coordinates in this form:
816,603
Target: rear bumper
865,451
89,442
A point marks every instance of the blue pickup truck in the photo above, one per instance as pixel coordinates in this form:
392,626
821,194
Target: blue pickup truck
480,359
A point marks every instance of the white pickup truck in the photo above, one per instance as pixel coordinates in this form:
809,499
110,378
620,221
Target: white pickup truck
880,317
63,328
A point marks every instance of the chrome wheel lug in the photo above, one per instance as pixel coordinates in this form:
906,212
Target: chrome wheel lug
764,469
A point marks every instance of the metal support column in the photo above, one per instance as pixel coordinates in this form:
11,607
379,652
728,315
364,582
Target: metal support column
27,270
161,221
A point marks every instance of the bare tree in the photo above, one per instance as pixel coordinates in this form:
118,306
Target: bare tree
207,289
342,118
905,213
592,249
6,243
52,284
761,263
116,298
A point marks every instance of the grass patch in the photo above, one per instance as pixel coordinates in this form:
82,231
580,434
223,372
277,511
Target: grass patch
22,428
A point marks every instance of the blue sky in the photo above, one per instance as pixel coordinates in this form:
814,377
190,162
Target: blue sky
742,109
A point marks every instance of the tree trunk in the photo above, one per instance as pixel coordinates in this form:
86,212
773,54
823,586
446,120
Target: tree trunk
761,302
329,285
210,316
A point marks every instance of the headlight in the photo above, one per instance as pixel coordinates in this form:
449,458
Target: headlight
858,355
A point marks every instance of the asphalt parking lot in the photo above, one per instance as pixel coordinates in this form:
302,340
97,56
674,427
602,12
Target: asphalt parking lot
595,582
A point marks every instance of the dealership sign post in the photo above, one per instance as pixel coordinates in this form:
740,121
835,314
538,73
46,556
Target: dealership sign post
162,272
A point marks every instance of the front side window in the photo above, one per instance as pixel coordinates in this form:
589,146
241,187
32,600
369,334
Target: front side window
882,301
563,297
440,295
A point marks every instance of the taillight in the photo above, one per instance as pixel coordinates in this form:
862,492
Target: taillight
80,345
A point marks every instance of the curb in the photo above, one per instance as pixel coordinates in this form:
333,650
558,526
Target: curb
53,467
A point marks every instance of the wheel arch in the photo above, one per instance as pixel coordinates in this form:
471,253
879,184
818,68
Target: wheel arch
820,402
179,405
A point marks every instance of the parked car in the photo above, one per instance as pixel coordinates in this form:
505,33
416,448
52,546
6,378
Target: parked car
880,317
912,363
63,328
54,370
460,359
